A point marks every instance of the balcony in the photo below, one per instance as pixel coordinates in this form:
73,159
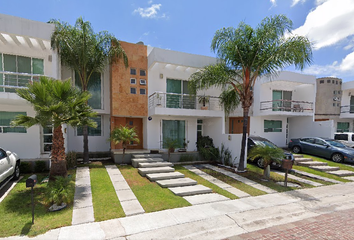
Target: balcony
286,107
184,105
9,82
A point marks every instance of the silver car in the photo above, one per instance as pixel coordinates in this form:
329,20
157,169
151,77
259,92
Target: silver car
9,166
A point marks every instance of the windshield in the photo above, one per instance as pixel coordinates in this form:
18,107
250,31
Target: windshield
265,143
336,144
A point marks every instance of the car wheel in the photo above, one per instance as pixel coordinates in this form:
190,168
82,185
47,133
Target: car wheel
337,157
260,162
296,149
17,172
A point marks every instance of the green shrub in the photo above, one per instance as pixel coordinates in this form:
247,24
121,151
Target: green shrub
71,160
40,166
207,149
59,191
26,167
187,158
225,156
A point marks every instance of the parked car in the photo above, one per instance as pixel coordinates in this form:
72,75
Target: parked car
260,141
9,166
347,138
323,147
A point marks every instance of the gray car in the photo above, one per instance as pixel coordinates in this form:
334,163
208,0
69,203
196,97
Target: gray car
322,147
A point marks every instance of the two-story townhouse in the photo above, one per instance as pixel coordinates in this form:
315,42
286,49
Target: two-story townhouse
25,55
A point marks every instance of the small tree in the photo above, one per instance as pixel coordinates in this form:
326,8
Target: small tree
171,144
125,135
266,154
56,102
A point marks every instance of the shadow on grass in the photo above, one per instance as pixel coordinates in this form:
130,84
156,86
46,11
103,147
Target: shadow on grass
25,230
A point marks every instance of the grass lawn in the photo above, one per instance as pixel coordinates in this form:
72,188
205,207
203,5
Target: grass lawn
233,182
16,210
204,182
151,196
256,174
104,198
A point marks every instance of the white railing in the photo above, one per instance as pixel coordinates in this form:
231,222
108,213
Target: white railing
9,82
287,106
183,101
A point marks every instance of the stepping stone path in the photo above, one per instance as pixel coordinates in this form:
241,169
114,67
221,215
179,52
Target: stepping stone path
321,166
316,184
128,200
83,208
156,169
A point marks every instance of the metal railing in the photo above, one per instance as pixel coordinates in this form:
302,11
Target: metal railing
347,109
287,106
183,101
9,82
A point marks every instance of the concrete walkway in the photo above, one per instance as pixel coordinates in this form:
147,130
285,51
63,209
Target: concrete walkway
290,176
317,176
240,178
218,220
217,182
83,208
128,200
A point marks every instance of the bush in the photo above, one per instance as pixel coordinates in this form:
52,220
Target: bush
71,160
40,166
207,149
187,158
26,167
226,157
59,191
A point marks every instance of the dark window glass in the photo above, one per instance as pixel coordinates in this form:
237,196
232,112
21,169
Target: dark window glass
142,72
133,90
133,71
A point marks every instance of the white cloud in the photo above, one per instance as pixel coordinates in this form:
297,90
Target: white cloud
296,2
329,23
150,12
274,3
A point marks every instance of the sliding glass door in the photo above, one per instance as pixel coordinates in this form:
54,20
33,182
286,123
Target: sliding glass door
173,129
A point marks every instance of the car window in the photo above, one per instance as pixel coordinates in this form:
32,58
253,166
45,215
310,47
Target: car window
353,137
265,143
336,144
320,142
2,154
341,136
308,140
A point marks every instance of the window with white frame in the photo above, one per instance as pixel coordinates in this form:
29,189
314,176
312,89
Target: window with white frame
17,71
132,81
5,122
142,82
272,126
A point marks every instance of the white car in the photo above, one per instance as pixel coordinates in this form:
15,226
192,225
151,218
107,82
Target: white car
347,138
9,166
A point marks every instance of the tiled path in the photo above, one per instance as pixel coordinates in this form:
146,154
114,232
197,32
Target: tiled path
317,176
217,182
290,176
83,208
240,178
128,200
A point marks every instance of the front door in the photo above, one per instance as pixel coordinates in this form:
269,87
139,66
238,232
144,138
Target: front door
136,123
236,125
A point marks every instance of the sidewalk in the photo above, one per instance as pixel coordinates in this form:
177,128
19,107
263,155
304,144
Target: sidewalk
217,220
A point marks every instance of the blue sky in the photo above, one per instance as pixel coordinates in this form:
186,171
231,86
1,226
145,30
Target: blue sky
189,25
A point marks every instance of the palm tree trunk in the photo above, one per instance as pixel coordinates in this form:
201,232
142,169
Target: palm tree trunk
86,150
58,162
241,165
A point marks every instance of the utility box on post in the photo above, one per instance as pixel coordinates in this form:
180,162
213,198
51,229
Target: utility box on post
286,164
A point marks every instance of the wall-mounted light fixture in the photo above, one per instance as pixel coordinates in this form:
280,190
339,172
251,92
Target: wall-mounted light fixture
161,76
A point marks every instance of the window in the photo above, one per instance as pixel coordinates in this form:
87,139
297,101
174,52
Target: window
132,71
180,97
199,128
173,130
5,122
272,126
94,87
334,92
337,82
328,81
142,91
282,100
343,136
321,81
132,81
342,126
142,82
332,81
17,71
334,104
47,138
337,104
92,131
133,90
339,91
142,72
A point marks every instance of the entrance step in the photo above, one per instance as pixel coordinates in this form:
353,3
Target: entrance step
311,164
298,155
297,160
351,178
147,155
190,190
144,171
155,164
205,198
136,161
177,182
324,168
163,176
342,173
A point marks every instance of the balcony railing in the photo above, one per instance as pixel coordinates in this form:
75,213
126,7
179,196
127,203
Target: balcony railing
347,109
287,106
182,101
9,82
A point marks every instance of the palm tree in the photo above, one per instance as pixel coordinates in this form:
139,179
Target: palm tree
248,53
266,155
125,135
56,102
85,52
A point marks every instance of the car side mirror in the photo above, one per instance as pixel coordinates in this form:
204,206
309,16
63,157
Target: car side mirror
8,153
